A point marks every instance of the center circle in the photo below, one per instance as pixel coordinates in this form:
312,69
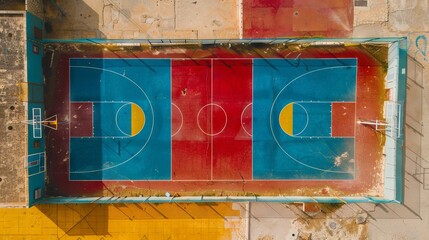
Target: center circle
212,119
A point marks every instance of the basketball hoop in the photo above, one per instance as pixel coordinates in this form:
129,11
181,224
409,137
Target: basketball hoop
50,122
377,124
37,122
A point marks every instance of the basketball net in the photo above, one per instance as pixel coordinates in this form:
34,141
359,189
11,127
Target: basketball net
50,122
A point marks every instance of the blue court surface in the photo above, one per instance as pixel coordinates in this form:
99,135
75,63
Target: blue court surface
130,107
126,107
297,96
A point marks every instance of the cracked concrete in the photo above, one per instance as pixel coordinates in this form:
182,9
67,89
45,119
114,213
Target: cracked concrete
134,19
376,12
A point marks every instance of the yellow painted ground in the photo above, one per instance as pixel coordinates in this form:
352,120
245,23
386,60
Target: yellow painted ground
286,119
137,119
119,221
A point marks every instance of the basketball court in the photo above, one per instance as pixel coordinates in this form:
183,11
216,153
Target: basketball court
198,119
215,121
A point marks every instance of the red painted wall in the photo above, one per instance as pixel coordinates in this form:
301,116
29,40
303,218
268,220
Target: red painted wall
297,18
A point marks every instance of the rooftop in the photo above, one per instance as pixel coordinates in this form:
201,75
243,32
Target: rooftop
12,111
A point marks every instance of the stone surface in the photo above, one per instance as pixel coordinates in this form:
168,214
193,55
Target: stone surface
12,112
207,17
35,7
410,19
12,5
131,19
376,12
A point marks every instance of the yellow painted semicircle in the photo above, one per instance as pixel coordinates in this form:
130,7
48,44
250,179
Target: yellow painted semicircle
137,119
286,119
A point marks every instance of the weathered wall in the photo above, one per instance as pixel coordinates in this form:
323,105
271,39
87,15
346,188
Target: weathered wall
12,111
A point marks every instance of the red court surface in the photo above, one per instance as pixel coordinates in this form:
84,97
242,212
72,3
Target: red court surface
81,119
232,88
214,141
343,116
295,18
191,147
210,157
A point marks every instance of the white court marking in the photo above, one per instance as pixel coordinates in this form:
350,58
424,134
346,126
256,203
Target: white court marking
306,123
116,119
117,125
212,105
181,117
242,119
271,116
36,122
307,119
151,130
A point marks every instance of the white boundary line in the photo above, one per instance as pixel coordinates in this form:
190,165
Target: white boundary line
150,105
38,162
34,174
92,119
36,122
171,120
271,115
332,117
211,118
308,117
208,180
144,123
34,154
125,102
181,117
223,180
242,118
355,133
221,58
44,163
306,123
251,119
116,119
322,102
